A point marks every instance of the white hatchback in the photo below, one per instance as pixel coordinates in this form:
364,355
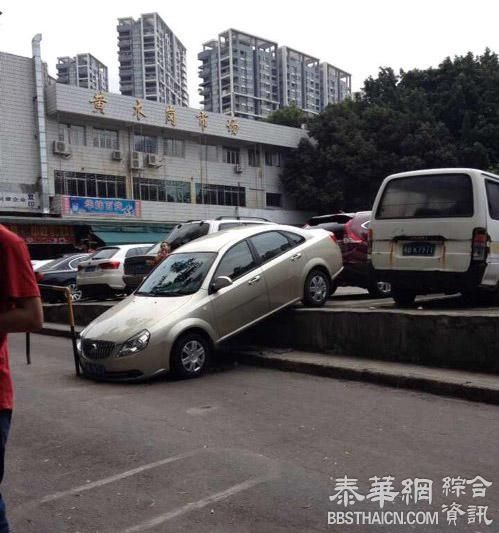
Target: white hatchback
102,274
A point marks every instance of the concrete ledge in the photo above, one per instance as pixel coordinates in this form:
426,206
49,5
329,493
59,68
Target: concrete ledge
451,340
84,312
456,383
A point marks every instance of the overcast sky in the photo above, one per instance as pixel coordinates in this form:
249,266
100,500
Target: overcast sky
358,36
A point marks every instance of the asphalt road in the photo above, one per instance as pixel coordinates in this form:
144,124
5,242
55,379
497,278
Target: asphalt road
241,450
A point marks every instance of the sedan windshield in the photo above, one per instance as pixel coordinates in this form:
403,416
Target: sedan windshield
178,275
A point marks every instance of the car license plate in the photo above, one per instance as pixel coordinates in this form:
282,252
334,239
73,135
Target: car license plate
418,248
90,269
95,370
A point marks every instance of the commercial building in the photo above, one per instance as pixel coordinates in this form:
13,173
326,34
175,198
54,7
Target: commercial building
246,76
83,70
80,164
152,60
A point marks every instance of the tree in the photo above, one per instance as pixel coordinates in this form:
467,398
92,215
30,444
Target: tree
439,117
288,116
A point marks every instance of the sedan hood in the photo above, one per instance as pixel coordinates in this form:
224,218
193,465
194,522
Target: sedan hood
132,315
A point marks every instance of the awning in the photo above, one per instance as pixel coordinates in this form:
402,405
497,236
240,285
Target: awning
132,237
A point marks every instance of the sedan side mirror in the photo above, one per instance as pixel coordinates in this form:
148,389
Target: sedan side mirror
220,283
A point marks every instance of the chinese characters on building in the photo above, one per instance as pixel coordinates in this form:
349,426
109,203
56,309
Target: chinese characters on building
171,115
202,120
99,102
233,126
138,110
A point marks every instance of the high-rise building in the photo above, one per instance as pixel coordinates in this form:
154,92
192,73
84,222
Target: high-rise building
299,80
239,75
247,76
336,85
83,70
152,60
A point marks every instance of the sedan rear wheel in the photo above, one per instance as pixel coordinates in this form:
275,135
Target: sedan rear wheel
190,356
317,289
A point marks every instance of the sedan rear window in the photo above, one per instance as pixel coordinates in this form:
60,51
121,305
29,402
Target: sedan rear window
427,196
104,253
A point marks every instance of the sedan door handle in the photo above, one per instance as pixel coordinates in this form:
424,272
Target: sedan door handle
296,256
254,280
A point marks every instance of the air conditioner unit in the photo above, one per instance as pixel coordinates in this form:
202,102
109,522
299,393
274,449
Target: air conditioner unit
153,160
238,169
116,155
136,160
61,148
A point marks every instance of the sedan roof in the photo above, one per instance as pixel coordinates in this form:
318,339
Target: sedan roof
216,241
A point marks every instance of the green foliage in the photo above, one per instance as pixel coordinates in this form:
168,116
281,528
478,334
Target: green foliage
442,117
288,116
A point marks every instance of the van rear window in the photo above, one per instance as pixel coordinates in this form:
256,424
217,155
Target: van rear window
430,196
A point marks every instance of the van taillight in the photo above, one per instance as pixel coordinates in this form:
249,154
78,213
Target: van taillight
480,246
369,241
110,265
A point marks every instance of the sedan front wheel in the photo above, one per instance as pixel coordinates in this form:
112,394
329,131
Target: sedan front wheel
190,355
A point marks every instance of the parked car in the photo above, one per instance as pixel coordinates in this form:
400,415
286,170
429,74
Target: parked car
38,263
61,273
101,275
437,231
137,267
204,293
357,268
334,223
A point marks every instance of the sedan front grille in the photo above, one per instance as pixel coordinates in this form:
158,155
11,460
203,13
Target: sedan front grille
97,349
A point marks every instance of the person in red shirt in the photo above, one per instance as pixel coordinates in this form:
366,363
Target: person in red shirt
20,310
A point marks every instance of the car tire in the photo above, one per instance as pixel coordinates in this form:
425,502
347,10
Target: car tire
76,293
191,355
317,288
379,289
403,297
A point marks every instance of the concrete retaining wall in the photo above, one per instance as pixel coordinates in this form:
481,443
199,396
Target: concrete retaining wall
453,339
436,339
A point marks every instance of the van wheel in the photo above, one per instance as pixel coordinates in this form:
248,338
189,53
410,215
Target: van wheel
190,356
403,297
317,289
380,289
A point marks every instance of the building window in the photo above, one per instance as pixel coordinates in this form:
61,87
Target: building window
253,157
158,190
209,152
274,199
145,143
273,159
92,185
220,195
174,147
106,139
71,134
231,155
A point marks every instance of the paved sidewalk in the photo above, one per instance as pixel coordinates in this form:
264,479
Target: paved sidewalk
474,386
448,382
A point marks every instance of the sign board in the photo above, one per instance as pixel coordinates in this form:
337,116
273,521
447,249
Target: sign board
115,207
43,234
19,200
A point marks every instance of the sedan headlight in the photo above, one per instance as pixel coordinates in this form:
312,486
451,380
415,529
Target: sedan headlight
136,343
78,345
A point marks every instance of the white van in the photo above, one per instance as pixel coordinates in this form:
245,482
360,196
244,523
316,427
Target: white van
436,231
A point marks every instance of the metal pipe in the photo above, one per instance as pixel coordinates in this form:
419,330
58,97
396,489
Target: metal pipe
42,128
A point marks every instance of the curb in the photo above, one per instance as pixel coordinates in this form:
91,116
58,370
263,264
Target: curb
467,391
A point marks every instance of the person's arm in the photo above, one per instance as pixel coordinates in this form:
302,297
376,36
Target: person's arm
26,315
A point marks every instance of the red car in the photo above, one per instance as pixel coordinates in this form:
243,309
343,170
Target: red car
358,270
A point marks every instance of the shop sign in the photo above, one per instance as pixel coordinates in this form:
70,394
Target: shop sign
43,234
19,200
116,207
